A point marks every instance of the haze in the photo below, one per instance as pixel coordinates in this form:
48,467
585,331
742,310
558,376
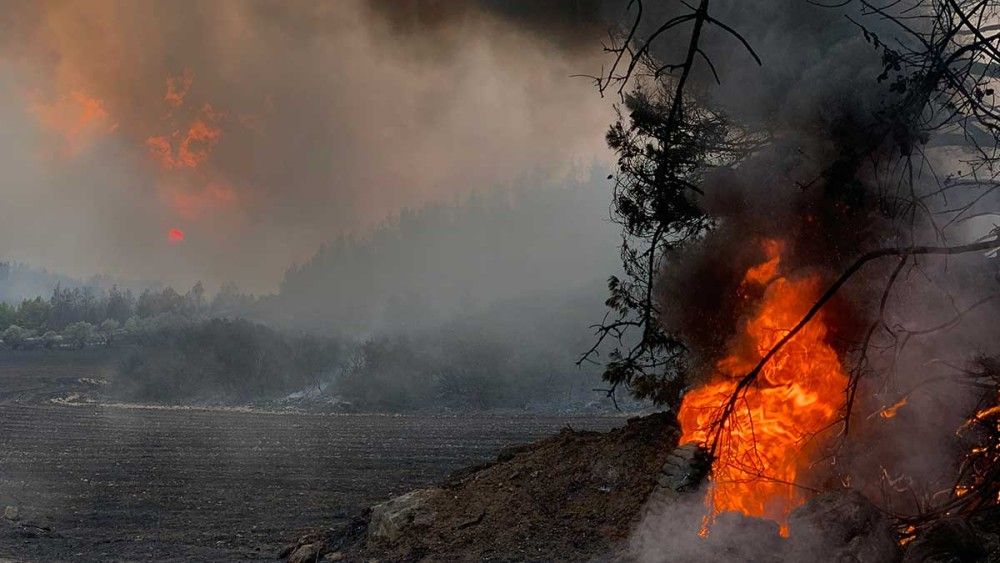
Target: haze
226,141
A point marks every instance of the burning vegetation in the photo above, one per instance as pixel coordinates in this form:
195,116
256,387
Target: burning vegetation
808,200
762,446
785,245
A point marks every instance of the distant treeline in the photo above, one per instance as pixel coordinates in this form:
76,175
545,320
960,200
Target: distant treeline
234,361
479,304
183,348
78,316
20,281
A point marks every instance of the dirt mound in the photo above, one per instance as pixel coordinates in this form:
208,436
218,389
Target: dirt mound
574,496
578,496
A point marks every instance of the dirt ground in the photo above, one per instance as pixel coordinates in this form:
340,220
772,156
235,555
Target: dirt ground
572,497
579,495
110,483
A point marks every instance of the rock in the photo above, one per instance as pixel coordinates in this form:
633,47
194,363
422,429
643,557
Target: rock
334,556
842,526
685,468
952,540
308,553
389,519
28,533
11,513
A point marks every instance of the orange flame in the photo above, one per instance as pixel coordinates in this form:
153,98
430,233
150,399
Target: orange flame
890,412
177,88
190,149
79,118
764,443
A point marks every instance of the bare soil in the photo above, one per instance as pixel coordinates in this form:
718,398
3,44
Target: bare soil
97,482
572,497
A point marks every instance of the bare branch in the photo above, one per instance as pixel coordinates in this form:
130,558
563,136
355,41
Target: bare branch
751,376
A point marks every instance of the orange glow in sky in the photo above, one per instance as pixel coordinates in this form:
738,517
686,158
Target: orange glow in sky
175,235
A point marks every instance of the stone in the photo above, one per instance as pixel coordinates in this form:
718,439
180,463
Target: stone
390,518
11,513
842,526
685,468
334,556
287,550
308,553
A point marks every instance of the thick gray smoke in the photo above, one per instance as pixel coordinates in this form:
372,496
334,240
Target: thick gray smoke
443,262
262,129
817,95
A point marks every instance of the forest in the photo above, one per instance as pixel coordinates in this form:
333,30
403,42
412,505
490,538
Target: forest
365,324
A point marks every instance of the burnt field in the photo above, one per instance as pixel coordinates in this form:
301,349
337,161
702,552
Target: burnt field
104,482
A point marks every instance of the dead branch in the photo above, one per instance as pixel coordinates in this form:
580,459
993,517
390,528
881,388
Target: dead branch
751,377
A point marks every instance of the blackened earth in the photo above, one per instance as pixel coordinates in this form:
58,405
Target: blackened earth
99,482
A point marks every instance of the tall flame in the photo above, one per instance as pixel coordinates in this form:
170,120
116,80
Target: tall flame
765,443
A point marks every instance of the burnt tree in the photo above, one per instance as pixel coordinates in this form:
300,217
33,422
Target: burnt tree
940,62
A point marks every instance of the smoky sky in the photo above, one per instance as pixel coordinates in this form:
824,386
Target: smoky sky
262,129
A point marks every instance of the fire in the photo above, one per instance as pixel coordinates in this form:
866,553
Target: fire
175,235
765,443
190,148
79,118
890,412
177,88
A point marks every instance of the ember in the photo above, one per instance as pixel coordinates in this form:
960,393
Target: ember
765,443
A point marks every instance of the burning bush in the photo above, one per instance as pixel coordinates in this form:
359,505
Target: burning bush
784,241
759,453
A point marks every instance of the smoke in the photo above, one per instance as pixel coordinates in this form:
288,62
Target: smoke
821,186
450,261
670,527
262,129
816,93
